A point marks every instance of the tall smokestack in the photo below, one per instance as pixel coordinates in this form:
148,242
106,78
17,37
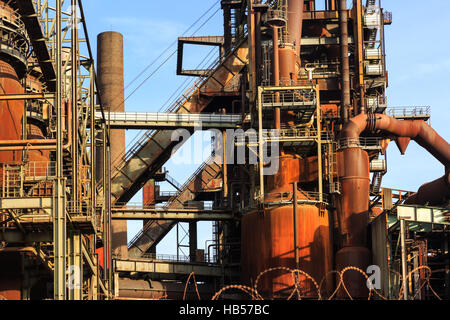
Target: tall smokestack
111,87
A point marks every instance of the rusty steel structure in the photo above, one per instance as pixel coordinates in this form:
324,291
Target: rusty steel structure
296,101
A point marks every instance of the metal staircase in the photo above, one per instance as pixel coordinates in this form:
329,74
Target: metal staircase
174,183
154,148
154,231
375,186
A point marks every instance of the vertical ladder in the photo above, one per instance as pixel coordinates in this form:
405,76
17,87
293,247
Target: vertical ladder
332,169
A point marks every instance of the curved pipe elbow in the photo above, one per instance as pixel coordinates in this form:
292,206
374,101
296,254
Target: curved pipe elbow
417,130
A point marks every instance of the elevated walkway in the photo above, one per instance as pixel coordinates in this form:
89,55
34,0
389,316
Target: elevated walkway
410,113
181,214
156,120
150,153
167,267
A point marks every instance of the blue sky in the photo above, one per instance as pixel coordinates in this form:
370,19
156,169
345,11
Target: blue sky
417,58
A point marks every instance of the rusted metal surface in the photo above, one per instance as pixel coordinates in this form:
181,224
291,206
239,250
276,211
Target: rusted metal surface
11,112
148,196
111,86
353,215
288,172
267,242
353,204
154,290
354,173
288,73
355,283
418,130
295,23
433,193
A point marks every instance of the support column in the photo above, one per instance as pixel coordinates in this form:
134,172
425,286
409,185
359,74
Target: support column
75,267
404,258
345,67
193,241
59,209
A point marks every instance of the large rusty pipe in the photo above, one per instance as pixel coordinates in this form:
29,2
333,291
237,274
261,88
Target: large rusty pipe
295,23
353,204
354,174
345,66
417,130
353,213
433,193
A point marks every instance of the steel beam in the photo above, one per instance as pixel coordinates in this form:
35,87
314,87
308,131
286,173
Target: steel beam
16,236
26,203
27,96
59,224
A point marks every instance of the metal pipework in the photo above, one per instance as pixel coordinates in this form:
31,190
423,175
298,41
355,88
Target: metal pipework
433,193
345,67
353,205
417,130
295,23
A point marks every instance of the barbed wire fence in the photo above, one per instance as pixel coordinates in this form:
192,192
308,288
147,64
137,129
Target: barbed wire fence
254,294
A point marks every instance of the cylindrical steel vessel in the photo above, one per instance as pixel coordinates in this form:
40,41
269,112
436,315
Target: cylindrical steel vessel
268,242
353,215
288,70
268,238
353,204
11,112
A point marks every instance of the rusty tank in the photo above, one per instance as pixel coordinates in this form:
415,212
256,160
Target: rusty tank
268,238
11,112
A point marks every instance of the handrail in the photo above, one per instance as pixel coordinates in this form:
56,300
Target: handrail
173,182
185,186
142,206
360,142
170,117
409,111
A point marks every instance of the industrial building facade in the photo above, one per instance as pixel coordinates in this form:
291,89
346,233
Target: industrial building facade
297,105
